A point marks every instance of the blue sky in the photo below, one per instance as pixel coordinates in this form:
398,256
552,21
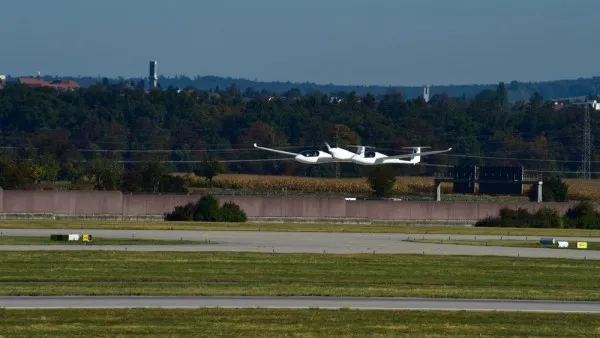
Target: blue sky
383,42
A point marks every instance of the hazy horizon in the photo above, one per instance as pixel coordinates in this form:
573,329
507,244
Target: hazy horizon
349,42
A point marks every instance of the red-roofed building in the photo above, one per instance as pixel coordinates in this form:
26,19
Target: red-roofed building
63,85
33,82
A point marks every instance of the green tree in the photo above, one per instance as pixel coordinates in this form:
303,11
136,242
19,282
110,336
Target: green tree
50,167
502,94
108,174
210,169
152,175
382,179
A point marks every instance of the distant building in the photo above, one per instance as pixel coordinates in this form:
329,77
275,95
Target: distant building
33,82
153,76
62,85
558,106
2,81
426,93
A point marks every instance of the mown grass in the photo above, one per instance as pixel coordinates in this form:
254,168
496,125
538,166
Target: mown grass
415,228
26,240
509,243
272,274
278,323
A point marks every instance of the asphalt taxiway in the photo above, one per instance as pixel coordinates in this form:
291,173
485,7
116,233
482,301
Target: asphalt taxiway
307,242
358,303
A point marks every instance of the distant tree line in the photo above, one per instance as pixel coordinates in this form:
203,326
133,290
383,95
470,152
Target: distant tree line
117,133
517,91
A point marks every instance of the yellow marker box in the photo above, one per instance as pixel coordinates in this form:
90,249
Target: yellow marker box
581,245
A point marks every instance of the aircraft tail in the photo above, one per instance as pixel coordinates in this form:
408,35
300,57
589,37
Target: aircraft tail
415,150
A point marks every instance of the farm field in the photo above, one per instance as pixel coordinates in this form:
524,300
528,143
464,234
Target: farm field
415,187
278,323
36,273
405,185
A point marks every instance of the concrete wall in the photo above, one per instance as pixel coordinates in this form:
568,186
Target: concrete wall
114,203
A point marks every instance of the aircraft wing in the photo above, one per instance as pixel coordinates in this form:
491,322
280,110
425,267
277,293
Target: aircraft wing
416,154
275,150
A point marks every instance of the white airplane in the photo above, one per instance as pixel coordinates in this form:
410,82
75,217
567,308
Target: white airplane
307,156
369,157
362,156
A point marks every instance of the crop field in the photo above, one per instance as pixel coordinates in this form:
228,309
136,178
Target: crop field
37,273
405,185
283,323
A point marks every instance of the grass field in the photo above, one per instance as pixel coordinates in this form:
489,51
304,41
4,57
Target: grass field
293,227
25,240
278,323
509,243
229,273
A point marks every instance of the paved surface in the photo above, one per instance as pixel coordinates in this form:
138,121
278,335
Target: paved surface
303,242
296,303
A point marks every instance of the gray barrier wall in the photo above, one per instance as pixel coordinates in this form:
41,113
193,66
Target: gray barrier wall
114,203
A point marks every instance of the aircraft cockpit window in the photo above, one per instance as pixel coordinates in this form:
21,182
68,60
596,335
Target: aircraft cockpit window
369,154
310,153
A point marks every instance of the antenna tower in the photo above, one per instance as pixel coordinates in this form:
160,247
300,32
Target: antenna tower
587,141
337,140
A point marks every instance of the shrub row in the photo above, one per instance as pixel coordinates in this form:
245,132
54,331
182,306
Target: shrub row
207,209
580,216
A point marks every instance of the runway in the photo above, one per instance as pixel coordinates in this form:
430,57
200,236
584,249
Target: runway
358,303
305,242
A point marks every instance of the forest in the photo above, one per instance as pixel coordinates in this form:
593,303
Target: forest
517,91
49,135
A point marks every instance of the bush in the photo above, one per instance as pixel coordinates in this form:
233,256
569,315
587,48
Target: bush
207,209
231,212
490,222
182,213
581,216
546,218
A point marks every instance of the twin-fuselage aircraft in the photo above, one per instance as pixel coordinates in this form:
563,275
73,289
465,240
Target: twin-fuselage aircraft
362,156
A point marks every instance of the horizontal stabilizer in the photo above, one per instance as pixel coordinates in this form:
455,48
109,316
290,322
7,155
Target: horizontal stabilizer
416,154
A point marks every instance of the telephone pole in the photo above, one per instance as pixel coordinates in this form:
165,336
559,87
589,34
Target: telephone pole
587,142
